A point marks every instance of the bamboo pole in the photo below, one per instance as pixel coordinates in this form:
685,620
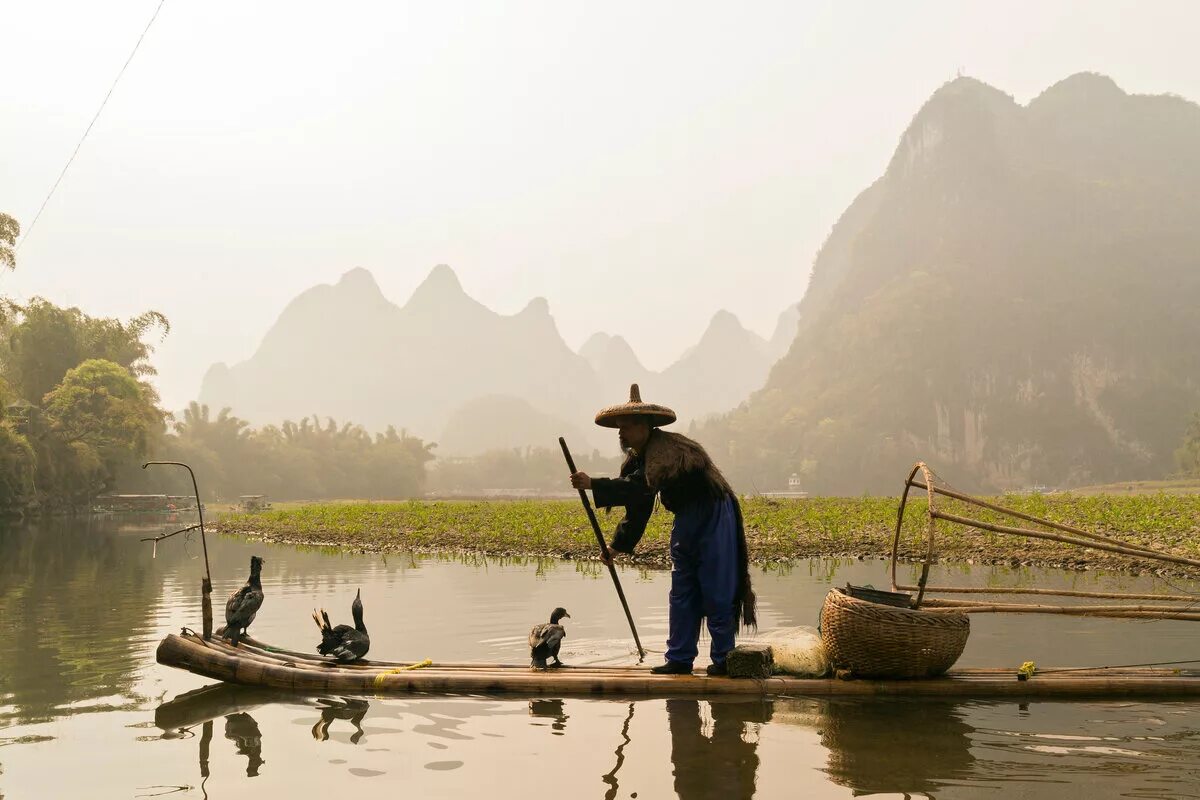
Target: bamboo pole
1180,598
937,605
966,498
1120,547
612,570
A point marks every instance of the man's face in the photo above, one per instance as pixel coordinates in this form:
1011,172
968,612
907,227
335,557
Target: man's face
633,433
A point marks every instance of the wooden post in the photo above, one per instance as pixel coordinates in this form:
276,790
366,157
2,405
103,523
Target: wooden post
206,606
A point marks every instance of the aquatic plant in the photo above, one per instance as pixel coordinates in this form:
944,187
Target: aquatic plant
777,530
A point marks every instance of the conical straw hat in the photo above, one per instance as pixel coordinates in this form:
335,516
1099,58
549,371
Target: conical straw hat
656,415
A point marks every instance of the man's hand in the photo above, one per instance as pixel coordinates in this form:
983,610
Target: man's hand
606,556
580,480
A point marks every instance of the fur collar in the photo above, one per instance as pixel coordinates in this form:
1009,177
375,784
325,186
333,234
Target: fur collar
669,455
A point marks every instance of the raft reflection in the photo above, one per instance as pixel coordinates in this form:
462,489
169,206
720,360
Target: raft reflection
872,746
177,717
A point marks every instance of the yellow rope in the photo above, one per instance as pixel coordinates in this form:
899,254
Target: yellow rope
419,665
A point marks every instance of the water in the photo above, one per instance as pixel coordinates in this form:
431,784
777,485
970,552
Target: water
85,711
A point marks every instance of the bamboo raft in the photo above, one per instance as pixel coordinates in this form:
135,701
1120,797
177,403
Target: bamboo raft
253,663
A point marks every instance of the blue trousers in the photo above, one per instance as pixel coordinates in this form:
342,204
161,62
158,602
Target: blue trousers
704,578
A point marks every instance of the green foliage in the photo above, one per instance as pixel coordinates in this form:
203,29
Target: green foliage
99,419
44,341
84,416
776,529
17,465
10,229
100,404
1187,457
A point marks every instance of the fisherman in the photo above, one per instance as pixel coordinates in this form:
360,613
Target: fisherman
710,575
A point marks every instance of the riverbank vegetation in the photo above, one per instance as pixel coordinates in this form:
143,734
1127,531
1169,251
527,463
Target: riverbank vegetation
309,459
777,529
75,405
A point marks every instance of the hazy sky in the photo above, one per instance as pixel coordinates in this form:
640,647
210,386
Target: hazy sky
640,165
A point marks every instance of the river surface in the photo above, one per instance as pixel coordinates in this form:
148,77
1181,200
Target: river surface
83,604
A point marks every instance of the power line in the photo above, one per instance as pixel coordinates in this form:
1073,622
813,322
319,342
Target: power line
103,102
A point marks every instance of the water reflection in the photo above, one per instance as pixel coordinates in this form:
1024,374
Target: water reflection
894,746
77,602
178,717
242,730
347,708
552,709
717,757
610,777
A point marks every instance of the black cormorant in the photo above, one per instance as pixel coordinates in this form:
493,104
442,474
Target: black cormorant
343,642
243,604
545,639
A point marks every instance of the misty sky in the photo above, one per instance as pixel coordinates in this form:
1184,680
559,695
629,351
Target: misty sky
639,165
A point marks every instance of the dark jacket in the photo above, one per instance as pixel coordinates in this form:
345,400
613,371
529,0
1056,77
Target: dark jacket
679,471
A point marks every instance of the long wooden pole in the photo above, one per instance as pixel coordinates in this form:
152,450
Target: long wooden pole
206,616
1111,546
612,570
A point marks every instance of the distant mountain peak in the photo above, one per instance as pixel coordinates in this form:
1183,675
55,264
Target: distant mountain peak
954,120
724,322
1086,92
439,286
964,84
359,281
1091,82
612,358
537,307
595,344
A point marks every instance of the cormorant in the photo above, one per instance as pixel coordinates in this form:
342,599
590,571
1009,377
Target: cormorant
545,639
243,604
343,642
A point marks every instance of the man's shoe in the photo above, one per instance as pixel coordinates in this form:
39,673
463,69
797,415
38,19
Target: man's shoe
716,670
671,668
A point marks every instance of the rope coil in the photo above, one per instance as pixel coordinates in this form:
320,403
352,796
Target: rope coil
379,679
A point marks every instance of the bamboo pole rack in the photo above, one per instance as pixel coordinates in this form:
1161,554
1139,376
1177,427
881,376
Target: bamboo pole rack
923,478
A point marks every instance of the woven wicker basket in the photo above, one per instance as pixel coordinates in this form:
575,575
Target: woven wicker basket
877,641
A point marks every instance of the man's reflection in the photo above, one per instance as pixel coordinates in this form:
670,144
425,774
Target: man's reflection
723,763
243,730
348,708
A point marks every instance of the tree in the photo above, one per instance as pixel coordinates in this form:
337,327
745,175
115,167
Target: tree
1188,456
10,229
99,418
45,341
17,463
